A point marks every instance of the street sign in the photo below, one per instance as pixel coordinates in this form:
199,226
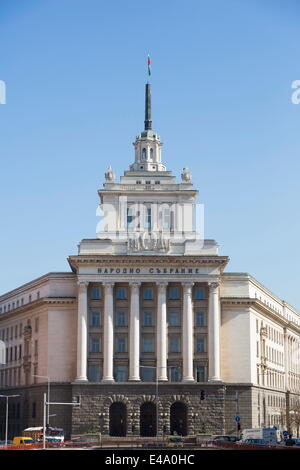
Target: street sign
285,433
238,419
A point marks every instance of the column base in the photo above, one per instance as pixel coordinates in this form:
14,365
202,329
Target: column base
108,381
188,380
162,379
134,379
215,379
81,380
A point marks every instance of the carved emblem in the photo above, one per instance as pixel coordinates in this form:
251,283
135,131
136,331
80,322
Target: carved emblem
148,241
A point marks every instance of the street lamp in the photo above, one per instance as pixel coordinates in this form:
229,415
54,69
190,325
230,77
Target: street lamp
48,394
6,418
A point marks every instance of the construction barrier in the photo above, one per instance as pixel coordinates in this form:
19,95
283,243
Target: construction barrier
241,446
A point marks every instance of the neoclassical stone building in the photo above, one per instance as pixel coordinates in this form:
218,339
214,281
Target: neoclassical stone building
147,329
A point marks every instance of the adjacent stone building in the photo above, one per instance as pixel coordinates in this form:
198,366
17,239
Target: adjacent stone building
147,330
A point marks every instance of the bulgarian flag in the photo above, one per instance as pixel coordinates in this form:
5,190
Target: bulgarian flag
149,65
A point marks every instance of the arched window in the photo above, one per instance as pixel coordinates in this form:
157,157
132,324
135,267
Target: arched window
151,154
143,154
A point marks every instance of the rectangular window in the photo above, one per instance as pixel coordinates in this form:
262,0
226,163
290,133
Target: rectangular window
121,293
174,344
201,373
200,318
95,294
148,346
94,373
36,325
148,319
129,217
174,293
200,344
174,318
174,374
166,218
36,347
121,319
95,319
148,374
199,294
148,218
121,344
121,373
157,182
148,293
95,345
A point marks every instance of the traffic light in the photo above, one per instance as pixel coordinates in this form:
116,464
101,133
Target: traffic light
202,395
238,426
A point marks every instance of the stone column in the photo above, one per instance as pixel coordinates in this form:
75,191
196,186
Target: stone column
161,331
82,318
187,333
134,332
214,321
108,333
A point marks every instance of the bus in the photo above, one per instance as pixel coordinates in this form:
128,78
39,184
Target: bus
52,434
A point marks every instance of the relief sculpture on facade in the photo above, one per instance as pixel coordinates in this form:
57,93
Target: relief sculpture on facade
148,241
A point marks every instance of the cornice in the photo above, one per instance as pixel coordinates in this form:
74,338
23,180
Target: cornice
260,307
183,261
36,283
39,303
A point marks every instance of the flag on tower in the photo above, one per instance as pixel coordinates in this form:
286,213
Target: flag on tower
149,66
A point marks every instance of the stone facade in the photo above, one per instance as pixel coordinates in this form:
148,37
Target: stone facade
147,321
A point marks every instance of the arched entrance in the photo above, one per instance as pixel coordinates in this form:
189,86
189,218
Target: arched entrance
178,418
117,419
148,419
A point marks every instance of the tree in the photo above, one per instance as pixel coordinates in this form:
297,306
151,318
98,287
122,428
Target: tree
295,417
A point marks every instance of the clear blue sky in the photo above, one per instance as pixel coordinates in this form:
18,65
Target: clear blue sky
221,90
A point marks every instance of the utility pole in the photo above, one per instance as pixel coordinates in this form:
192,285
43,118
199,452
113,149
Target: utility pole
47,403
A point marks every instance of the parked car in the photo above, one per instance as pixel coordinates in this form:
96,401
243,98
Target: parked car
297,441
23,440
257,442
224,438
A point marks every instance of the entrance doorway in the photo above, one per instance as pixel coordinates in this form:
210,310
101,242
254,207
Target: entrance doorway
178,418
117,419
148,419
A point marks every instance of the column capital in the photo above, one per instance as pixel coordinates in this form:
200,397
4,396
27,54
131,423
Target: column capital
134,284
108,284
162,285
187,285
82,284
213,286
